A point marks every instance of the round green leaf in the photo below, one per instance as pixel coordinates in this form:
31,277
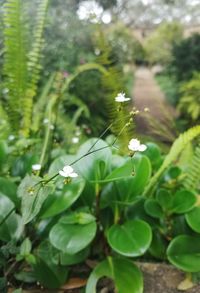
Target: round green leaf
164,198
184,253
127,277
68,259
193,219
183,201
130,239
61,200
71,238
153,209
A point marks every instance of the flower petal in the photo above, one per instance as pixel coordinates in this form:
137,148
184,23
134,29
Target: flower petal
63,174
73,175
142,148
68,169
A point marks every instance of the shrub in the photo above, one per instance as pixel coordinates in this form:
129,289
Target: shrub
190,100
186,56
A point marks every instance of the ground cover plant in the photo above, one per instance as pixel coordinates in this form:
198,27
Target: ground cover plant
78,205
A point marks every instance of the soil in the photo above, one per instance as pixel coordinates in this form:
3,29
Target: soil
158,278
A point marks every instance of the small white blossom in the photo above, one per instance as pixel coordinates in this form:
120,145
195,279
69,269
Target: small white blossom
134,145
68,171
75,140
46,120
52,127
36,167
120,98
11,137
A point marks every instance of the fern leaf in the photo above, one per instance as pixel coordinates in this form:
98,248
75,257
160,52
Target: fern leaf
15,66
193,173
177,147
34,67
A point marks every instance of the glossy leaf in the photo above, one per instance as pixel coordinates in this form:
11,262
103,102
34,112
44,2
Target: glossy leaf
164,198
47,269
9,188
184,253
132,238
32,194
72,238
61,200
11,224
68,259
183,201
153,208
126,276
193,219
94,166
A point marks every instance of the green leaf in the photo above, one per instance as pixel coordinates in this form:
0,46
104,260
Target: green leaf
3,151
127,277
25,247
130,239
46,266
193,219
68,259
9,188
164,198
72,238
184,253
90,166
153,208
77,218
11,224
61,200
183,201
32,194
121,172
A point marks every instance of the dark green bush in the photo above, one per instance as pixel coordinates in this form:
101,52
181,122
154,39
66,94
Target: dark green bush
186,56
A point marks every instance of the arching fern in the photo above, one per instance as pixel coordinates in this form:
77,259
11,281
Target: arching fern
21,68
191,181
177,147
15,60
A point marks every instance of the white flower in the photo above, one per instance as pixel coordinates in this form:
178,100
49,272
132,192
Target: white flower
68,171
134,145
36,167
75,139
46,120
120,98
11,137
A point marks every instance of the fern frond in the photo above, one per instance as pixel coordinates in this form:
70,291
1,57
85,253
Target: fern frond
112,84
15,66
177,147
34,66
191,181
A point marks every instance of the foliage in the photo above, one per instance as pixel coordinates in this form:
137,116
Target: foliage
186,56
21,64
192,178
190,100
160,43
169,86
124,45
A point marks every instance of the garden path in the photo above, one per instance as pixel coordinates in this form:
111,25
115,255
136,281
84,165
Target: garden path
159,120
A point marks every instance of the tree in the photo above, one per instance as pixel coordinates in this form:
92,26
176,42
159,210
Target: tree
160,43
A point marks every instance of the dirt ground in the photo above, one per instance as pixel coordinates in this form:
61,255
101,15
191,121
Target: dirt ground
159,120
